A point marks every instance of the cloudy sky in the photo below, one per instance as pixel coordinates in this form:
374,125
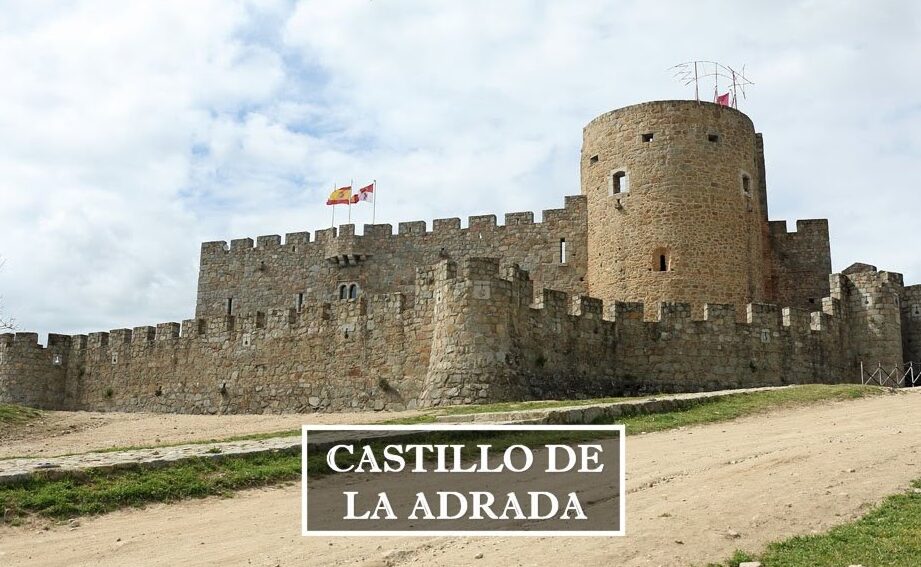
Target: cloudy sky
132,131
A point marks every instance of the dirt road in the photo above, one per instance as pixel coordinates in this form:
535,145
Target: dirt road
694,495
67,432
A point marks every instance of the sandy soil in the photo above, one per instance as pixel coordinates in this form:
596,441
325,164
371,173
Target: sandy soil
66,432
694,495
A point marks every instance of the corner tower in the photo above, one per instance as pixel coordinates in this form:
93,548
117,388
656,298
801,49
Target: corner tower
677,208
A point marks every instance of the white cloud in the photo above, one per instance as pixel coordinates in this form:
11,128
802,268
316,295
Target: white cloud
129,132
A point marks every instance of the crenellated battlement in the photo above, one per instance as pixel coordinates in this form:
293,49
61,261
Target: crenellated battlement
804,227
292,242
477,332
310,316
271,272
772,317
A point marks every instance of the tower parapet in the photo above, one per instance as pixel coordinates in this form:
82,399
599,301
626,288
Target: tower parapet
675,211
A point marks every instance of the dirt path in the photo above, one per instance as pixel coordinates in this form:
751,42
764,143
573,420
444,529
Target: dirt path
694,496
66,432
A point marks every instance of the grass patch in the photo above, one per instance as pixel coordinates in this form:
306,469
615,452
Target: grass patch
99,492
502,407
730,406
889,535
421,418
12,414
734,406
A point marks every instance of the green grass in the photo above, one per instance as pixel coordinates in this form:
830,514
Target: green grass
421,418
99,492
734,406
502,407
11,414
889,535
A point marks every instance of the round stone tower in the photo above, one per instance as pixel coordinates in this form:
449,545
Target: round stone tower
676,205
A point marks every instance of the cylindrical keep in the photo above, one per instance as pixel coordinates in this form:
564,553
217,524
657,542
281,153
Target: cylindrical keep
674,205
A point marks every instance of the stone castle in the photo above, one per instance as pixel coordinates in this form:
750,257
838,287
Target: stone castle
665,274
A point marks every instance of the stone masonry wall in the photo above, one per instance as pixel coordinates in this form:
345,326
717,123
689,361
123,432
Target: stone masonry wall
800,262
471,334
773,346
870,301
276,275
366,353
492,346
911,324
31,374
692,195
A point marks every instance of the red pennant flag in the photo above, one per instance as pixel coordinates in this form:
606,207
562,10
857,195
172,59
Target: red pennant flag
366,193
723,99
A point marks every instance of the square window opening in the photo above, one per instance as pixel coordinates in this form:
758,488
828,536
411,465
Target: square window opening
619,183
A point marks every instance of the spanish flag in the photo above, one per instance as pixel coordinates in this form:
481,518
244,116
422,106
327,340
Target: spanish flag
341,196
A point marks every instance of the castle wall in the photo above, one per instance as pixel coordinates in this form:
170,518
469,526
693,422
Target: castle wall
872,313
772,346
275,275
800,262
911,324
470,335
494,347
31,374
491,344
361,354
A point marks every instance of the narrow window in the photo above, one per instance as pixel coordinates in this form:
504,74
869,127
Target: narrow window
713,138
343,291
647,137
661,260
746,184
562,251
619,183
230,306
300,301
353,291
593,159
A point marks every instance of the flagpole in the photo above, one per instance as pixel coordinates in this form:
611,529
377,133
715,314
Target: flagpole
374,201
716,82
333,225
351,182
696,91
734,89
